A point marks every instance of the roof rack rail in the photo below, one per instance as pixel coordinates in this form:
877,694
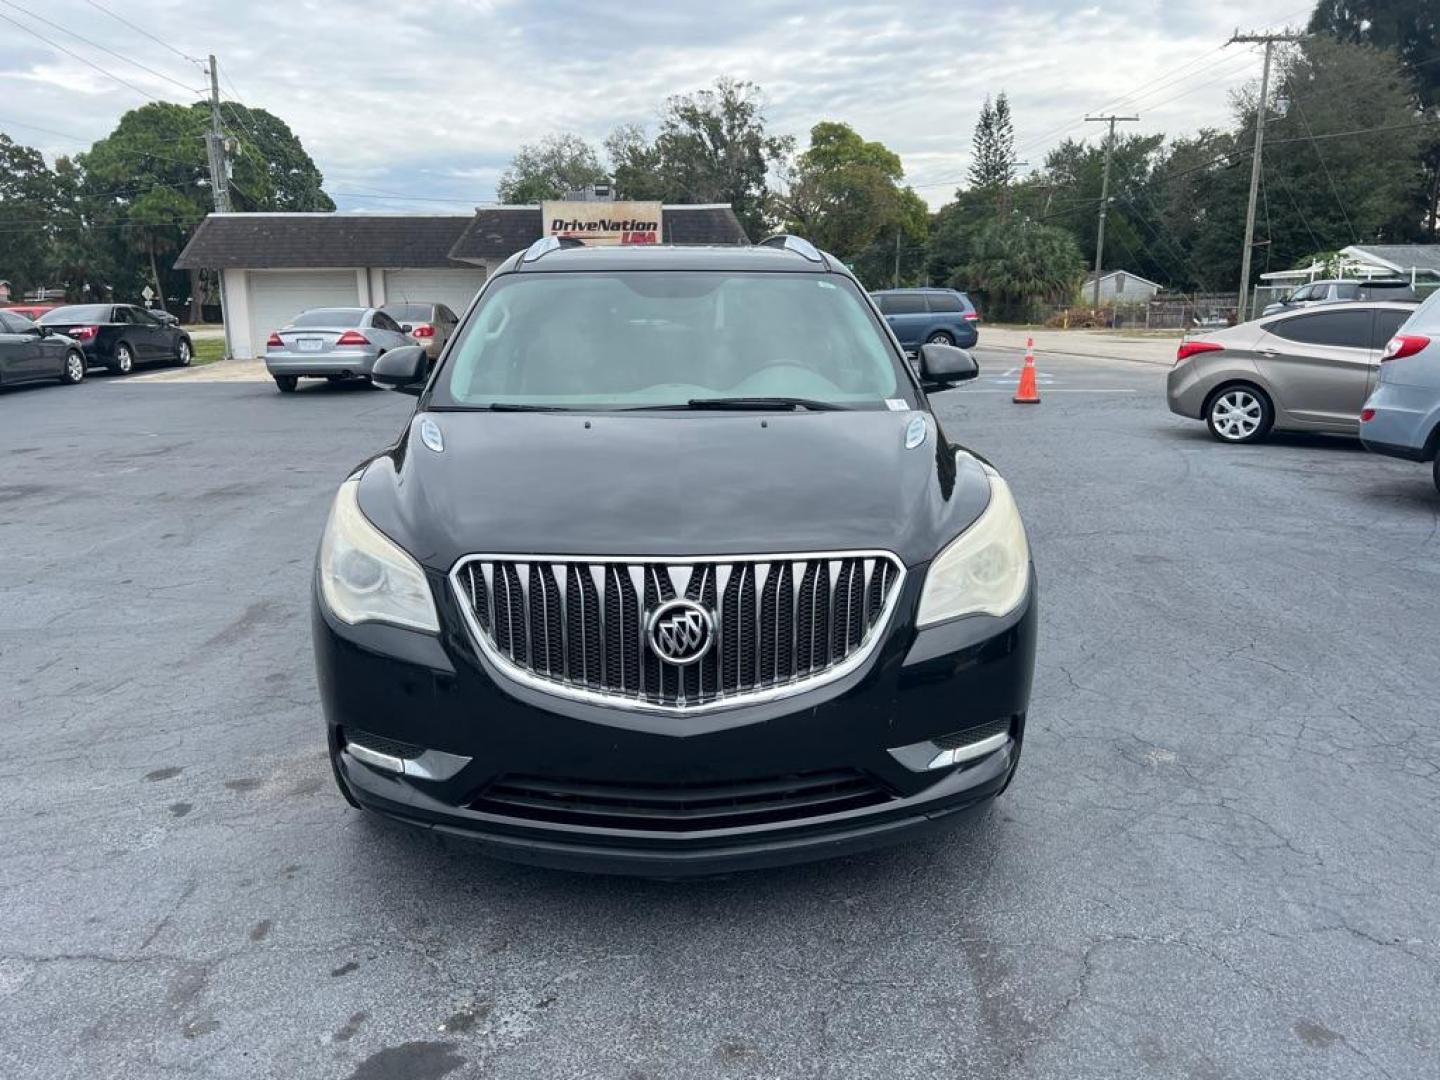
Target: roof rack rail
797,244
547,244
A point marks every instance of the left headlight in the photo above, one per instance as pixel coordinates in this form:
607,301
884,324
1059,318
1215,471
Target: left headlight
365,576
985,569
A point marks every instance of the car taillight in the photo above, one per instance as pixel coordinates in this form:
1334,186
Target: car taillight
1190,348
972,316
423,331
1403,345
1367,415
352,337
274,341
85,333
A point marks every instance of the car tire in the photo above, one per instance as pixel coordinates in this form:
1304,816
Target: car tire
1239,413
334,378
123,362
940,337
184,353
286,384
1435,472
74,369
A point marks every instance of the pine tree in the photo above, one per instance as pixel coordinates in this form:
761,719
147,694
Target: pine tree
993,146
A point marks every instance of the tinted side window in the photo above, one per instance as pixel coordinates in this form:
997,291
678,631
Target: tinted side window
384,322
905,304
1387,324
1347,328
945,302
9,324
1347,292
121,315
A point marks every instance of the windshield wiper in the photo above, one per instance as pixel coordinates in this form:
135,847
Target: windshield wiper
522,406
761,403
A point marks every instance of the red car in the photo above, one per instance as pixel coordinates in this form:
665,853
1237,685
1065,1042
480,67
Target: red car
32,311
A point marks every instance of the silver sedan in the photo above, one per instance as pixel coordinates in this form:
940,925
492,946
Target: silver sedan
331,343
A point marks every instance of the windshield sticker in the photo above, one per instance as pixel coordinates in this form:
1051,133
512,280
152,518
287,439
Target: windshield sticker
897,404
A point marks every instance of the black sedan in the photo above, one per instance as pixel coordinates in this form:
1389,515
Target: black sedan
31,353
119,336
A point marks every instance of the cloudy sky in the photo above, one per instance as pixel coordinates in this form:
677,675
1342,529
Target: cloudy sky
418,105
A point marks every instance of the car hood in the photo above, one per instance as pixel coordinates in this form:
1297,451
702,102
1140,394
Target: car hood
672,484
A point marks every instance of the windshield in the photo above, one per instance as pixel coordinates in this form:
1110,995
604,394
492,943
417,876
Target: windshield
407,312
330,316
78,313
648,339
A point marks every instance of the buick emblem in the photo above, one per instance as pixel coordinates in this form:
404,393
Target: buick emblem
680,631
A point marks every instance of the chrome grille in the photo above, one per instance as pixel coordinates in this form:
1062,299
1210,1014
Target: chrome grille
578,627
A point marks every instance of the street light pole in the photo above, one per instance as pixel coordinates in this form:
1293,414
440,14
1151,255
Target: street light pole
1105,195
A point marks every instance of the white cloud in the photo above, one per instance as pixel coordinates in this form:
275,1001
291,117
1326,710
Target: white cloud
430,99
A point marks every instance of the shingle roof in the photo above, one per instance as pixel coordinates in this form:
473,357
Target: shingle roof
261,241
1403,256
250,241
499,232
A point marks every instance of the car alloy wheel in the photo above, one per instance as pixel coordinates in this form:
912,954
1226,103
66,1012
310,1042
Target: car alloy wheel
183,353
940,338
1238,415
124,359
74,368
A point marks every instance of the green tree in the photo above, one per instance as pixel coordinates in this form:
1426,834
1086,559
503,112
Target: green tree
844,194
713,146
1019,265
992,147
1410,28
634,164
27,188
150,177
550,169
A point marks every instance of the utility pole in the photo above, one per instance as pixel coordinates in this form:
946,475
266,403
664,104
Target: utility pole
1261,106
896,280
215,143
1112,120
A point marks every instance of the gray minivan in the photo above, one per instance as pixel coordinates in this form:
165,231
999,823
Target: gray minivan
1402,416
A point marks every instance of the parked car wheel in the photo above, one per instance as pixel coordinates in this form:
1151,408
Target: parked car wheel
286,384
184,354
940,337
1436,472
124,361
1239,413
74,370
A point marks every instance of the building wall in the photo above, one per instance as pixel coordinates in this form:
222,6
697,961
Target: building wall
1121,288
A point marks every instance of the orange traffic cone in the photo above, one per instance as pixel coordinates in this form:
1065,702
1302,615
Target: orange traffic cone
1027,393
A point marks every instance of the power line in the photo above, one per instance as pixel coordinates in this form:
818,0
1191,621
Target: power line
77,56
1262,106
143,32
96,45
1354,236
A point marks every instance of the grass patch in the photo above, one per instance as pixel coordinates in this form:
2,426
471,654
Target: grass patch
208,350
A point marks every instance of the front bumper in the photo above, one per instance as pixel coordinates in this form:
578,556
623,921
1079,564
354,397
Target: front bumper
443,695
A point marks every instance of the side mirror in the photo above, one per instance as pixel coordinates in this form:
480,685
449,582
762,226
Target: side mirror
942,366
402,369
406,327
41,331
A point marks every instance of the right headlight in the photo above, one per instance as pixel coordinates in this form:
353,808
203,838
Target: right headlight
365,576
984,571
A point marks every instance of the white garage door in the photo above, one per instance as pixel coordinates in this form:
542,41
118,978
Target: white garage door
453,288
277,296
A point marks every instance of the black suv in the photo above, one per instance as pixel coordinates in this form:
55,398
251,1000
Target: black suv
674,571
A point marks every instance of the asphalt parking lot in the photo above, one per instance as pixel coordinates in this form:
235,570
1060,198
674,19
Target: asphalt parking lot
1218,859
